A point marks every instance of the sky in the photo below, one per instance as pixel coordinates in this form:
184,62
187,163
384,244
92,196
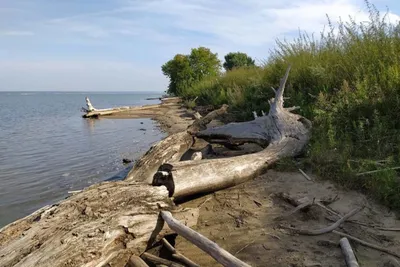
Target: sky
120,45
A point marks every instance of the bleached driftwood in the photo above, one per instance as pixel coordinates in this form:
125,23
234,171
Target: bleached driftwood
170,149
284,134
176,255
106,223
211,248
348,253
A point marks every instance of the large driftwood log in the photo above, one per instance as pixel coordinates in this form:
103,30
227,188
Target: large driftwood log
170,149
91,112
106,223
284,133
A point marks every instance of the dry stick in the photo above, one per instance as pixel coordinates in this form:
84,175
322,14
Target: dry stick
177,255
158,260
375,171
357,222
299,207
240,250
135,261
218,253
329,228
367,244
327,209
305,175
204,202
349,256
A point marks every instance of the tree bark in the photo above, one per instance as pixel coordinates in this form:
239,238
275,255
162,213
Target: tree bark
84,231
283,134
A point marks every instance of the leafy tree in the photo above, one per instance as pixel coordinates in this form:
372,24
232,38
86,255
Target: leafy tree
237,60
184,70
204,63
179,72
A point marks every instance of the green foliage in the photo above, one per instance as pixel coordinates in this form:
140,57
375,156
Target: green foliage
184,70
237,60
179,72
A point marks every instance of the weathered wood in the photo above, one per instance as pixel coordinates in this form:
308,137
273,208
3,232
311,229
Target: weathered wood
157,260
330,228
348,253
367,244
109,111
136,261
170,149
218,253
176,255
285,133
107,222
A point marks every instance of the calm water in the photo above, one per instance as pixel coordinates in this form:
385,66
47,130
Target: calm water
47,149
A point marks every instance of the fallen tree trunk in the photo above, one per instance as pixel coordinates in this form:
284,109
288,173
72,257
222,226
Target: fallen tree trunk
91,112
170,149
83,231
283,133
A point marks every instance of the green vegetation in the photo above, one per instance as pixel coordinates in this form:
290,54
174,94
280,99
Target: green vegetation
348,83
185,70
237,60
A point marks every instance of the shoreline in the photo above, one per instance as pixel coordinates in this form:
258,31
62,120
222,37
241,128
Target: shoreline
241,219
170,116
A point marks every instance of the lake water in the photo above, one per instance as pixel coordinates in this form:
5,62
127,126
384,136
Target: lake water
48,149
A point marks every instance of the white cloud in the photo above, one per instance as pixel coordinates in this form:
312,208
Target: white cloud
241,23
154,30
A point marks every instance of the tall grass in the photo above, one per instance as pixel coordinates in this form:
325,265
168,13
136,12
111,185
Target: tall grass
347,82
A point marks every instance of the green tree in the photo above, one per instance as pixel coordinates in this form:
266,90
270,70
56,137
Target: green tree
184,70
179,72
237,60
204,63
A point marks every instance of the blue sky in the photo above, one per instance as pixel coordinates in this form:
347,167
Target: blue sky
119,45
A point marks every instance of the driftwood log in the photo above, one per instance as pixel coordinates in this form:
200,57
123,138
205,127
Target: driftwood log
171,149
107,223
283,133
348,253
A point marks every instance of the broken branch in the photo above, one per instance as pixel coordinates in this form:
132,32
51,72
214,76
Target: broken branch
180,257
157,260
211,248
348,253
329,228
367,244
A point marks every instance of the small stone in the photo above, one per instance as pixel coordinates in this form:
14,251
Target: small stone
88,211
91,235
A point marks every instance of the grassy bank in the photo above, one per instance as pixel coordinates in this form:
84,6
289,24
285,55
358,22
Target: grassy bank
347,82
